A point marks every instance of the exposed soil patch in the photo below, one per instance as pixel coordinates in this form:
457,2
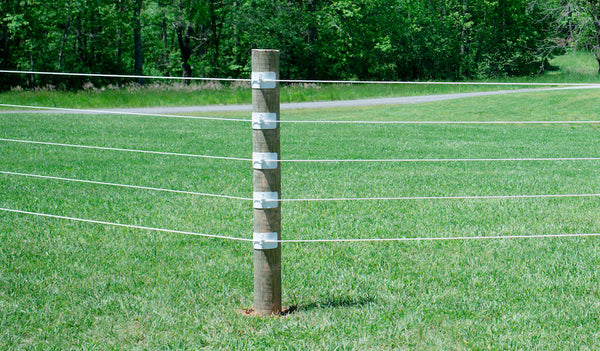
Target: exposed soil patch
249,312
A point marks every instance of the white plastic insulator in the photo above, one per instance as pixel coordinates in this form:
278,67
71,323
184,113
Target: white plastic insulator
266,199
265,241
264,160
264,80
264,120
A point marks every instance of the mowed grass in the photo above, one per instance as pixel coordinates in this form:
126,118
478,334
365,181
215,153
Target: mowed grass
71,285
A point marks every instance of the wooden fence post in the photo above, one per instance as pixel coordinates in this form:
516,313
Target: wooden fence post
267,182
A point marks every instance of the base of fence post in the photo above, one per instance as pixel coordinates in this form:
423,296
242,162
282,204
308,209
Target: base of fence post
267,289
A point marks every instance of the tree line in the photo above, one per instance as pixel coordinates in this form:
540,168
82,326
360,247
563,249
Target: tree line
335,39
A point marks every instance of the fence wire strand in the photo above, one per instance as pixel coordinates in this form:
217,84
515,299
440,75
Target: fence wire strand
124,185
442,160
497,237
419,198
125,150
347,240
124,225
124,113
441,122
391,160
290,81
389,82
340,199
125,76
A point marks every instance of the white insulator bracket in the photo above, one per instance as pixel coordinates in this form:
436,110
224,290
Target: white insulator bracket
265,241
264,160
266,199
264,120
264,80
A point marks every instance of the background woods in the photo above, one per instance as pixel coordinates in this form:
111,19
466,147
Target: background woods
341,39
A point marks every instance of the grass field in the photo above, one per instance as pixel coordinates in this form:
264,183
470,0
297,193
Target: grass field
69,285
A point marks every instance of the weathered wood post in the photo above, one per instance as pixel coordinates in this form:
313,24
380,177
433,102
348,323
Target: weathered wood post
267,182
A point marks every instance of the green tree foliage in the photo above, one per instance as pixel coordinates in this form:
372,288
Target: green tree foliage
575,24
334,39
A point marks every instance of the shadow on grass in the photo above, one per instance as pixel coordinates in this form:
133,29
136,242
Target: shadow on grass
335,302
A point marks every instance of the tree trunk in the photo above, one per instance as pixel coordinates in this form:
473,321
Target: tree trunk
4,44
183,37
64,42
4,39
216,24
312,37
137,41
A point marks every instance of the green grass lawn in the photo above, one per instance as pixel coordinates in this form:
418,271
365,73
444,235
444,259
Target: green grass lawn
69,285
72,285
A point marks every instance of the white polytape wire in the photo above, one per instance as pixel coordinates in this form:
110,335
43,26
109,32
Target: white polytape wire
270,200
532,236
466,197
124,185
441,160
316,81
124,225
292,81
110,112
125,150
400,160
102,75
439,122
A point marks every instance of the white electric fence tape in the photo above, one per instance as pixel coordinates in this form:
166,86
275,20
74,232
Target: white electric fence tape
129,76
256,79
124,225
124,150
124,113
399,160
441,160
120,112
266,241
125,185
271,199
465,197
